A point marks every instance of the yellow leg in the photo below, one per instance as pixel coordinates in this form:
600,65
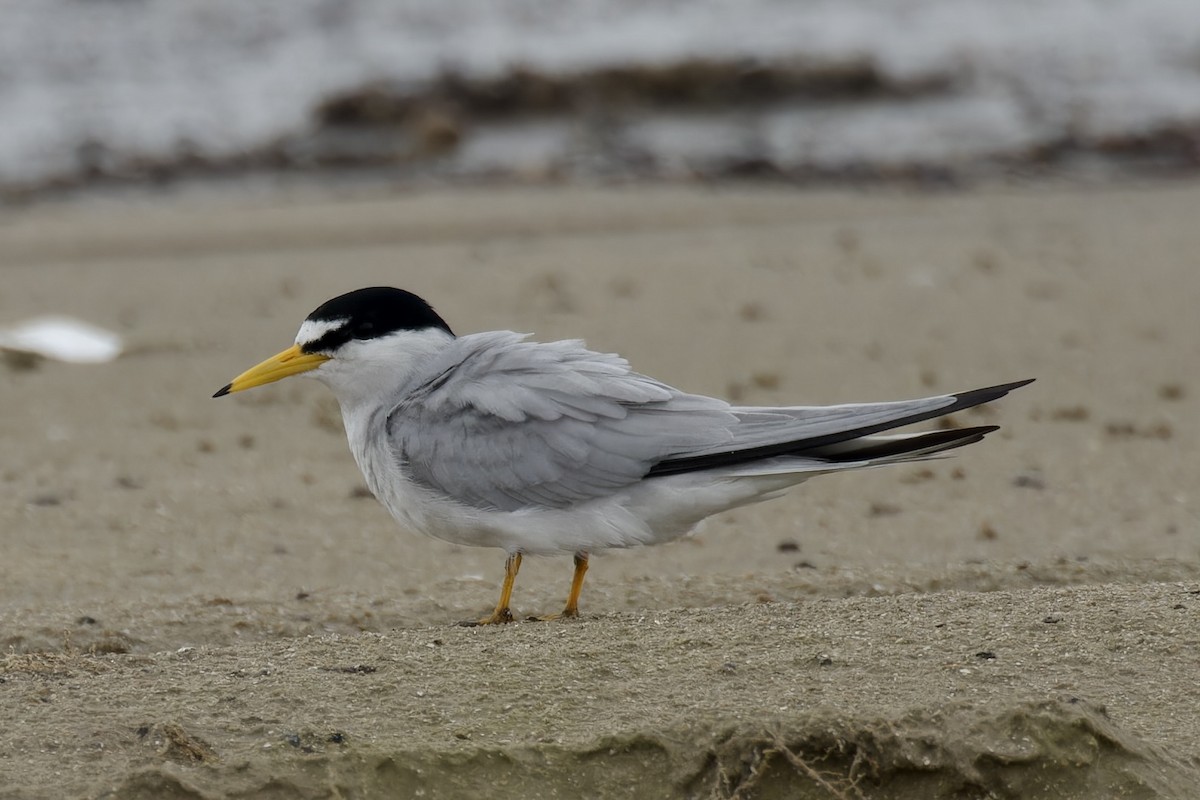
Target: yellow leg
572,607
512,565
581,566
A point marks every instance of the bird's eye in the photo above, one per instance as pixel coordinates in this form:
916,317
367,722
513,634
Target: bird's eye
364,327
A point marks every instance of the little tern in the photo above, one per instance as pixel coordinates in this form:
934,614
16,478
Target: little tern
492,440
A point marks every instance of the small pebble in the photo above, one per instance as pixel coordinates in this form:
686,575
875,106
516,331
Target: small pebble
1029,480
1070,414
752,312
883,509
1171,391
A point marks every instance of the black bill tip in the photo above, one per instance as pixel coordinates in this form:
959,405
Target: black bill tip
224,390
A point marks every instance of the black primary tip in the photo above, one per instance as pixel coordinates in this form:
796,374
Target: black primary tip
224,390
977,397
962,400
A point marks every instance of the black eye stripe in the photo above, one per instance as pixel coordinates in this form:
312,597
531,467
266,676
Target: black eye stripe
328,342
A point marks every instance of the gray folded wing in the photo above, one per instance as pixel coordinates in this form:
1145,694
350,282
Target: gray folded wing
508,424
500,423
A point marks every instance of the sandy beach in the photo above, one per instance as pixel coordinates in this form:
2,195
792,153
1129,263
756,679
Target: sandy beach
198,601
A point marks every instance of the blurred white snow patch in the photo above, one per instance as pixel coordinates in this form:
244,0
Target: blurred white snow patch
62,339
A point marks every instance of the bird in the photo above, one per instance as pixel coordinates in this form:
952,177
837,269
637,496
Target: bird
541,448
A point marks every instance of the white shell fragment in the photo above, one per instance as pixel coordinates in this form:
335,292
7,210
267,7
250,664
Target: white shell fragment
62,339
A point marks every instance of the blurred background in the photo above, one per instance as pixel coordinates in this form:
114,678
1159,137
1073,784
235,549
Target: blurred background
148,92
777,202
622,172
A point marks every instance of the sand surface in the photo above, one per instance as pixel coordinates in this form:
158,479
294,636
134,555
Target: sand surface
197,601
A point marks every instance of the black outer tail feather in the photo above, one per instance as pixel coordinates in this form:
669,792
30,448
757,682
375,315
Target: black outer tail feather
932,442
811,447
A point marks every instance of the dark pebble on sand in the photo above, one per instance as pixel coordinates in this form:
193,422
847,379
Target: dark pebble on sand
1029,480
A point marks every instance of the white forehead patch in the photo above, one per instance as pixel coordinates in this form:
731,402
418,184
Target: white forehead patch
313,329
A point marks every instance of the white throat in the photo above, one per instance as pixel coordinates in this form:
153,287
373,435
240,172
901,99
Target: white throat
369,374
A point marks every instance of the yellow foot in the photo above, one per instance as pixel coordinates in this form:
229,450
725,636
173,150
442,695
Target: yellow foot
500,616
566,613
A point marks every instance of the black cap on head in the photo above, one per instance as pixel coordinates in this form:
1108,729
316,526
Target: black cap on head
372,313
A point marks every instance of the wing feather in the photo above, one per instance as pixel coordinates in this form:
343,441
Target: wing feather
508,423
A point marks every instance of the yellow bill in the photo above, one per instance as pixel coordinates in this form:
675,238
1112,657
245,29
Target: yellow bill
292,361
